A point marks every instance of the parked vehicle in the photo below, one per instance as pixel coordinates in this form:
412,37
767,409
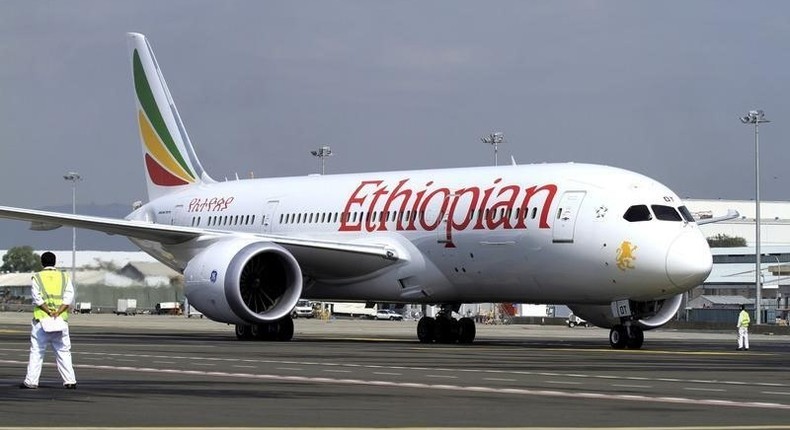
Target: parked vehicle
352,309
573,321
388,314
303,309
126,307
168,308
83,308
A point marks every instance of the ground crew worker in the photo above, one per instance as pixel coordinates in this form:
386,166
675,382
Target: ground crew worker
52,293
743,329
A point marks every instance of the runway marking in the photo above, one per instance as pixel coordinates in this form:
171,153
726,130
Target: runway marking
718,390
564,382
164,362
777,393
203,364
500,379
388,373
337,371
631,386
441,376
437,387
243,367
103,355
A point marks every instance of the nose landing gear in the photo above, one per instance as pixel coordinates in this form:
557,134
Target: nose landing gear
626,336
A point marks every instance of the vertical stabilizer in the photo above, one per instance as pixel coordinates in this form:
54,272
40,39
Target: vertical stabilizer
170,161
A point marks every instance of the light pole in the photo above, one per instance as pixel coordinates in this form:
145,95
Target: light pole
756,117
73,177
322,153
494,139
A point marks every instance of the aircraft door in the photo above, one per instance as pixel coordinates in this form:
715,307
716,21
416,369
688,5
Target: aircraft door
268,215
175,215
567,213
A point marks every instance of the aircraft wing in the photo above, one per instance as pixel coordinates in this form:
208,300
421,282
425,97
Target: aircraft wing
731,214
319,258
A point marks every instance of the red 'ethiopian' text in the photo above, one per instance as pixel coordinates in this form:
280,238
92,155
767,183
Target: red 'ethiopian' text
500,206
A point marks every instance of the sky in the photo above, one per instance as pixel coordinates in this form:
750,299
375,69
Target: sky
653,87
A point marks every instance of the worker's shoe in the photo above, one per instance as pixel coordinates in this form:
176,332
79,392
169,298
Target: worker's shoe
24,386
739,349
70,386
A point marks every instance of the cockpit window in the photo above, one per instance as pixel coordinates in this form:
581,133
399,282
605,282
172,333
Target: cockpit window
637,213
686,214
666,213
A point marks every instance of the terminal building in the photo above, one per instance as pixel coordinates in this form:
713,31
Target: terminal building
734,268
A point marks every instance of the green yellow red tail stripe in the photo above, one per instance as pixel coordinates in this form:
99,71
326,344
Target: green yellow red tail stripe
164,161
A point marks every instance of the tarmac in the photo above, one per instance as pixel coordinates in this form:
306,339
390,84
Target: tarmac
169,371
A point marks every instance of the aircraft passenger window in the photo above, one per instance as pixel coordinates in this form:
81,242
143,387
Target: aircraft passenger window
534,212
684,211
637,213
236,220
198,221
253,219
666,213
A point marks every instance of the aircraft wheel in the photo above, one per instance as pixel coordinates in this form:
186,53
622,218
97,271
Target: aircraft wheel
426,329
618,337
243,332
261,331
285,329
447,330
636,338
466,330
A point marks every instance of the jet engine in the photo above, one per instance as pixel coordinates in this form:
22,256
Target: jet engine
243,282
647,315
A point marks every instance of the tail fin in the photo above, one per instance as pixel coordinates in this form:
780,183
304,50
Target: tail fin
170,161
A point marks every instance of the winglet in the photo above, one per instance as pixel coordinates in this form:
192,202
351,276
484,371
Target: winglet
169,159
731,214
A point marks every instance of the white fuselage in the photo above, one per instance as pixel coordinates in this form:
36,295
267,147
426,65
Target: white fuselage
548,233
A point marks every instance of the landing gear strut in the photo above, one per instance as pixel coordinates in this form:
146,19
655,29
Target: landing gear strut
279,330
630,336
446,329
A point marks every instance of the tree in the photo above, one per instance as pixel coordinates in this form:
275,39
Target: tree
724,241
21,259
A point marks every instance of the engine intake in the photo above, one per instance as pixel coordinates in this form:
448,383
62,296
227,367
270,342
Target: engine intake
243,282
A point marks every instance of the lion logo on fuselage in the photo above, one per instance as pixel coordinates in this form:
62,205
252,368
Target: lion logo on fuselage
625,256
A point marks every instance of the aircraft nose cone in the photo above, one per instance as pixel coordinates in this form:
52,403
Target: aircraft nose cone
689,261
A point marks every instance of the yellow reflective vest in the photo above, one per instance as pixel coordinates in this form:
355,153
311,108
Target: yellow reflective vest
744,319
52,284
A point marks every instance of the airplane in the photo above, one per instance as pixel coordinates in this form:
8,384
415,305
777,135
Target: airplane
619,248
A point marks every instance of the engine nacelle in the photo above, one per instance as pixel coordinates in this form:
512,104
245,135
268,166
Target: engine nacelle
648,315
243,281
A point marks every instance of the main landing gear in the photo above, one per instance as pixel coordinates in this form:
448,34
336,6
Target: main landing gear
626,336
279,330
446,329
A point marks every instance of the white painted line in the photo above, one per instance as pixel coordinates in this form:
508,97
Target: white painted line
776,393
336,371
388,373
717,390
289,368
500,379
243,366
564,382
441,376
423,386
203,364
164,362
631,386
